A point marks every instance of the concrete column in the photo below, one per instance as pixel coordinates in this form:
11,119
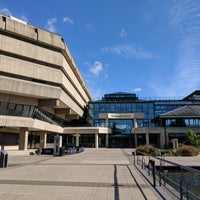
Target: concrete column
167,138
147,139
73,139
43,139
23,139
162,143
136,143
135,123
107,122
77,139
164,138
107,140
96,140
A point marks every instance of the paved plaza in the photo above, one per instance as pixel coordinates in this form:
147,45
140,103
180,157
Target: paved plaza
99,174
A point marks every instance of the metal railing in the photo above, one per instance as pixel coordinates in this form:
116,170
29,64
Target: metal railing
157,172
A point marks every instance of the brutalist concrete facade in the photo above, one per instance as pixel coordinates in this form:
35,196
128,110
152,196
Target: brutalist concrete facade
39,82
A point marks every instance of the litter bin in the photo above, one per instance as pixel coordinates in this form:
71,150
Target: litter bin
3,159
62,151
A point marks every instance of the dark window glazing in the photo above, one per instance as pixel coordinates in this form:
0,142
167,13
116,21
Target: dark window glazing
151,109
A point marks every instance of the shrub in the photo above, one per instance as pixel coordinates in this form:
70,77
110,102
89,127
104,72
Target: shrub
148,149
180,145
187,151
166,152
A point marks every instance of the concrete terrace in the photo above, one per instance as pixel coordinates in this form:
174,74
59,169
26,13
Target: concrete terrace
95,174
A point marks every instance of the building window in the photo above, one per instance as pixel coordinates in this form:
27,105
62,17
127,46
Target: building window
3,108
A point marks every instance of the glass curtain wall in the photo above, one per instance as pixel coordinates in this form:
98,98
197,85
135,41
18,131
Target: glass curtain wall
120,126
151,110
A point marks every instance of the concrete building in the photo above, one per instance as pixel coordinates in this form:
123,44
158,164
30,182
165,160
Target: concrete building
41,88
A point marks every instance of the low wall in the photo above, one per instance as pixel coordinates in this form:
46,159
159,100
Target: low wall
6,147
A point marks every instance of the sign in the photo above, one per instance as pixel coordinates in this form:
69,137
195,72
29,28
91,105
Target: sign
57,145
121,116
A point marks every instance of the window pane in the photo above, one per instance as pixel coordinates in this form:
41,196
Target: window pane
26,111
18,110
11,109
3,108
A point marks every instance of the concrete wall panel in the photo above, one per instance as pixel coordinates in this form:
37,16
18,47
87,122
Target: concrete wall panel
30,70
73,78
26,88
28,31
50,39
32,51
20,28
18,99
36,90
39,72
37,124
2,23
70,102
44,55
69,87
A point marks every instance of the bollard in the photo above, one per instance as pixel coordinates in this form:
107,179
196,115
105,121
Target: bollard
133,153
152,163
3,159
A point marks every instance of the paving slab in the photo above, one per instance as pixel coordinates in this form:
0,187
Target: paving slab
96,174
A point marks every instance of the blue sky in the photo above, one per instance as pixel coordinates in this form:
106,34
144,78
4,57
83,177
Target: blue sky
147,47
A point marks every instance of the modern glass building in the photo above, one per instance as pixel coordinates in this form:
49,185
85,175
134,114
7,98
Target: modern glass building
134,121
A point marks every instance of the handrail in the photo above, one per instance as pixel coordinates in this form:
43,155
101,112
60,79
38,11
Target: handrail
158,172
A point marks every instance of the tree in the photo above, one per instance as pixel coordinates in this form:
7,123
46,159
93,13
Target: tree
193,138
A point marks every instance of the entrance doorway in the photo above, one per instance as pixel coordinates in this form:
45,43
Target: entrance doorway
141,139
121,141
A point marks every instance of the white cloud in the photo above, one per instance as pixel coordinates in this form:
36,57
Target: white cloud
96,68
187,66
50,26
21,18
123,33
137,90
95,77
127,51
5,11
68,20
24,18
185,24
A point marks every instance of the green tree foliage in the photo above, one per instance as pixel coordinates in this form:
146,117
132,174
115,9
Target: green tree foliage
193,138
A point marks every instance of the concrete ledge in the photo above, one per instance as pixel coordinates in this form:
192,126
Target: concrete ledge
8,148
31,124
